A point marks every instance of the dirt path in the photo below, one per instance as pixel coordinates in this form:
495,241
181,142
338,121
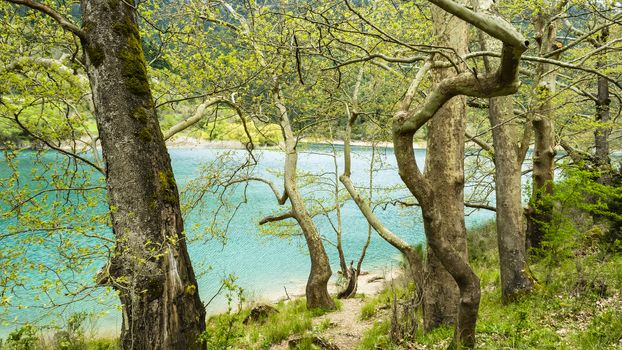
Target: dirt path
346,328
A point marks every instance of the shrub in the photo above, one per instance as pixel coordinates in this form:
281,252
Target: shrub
24,338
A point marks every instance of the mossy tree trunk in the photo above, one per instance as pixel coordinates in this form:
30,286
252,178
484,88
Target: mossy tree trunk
150,268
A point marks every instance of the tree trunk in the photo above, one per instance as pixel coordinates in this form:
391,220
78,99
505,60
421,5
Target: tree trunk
601,134
539,212
440,192
440,296
509,146
516,278
150,268
317,283
433,194
445,170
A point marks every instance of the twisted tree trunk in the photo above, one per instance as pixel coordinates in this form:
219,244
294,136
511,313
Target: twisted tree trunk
444,168
317,283
433,198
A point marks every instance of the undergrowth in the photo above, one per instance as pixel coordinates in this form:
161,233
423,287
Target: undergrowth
577,304
292,319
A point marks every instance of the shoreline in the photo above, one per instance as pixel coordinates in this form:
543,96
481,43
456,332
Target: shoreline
369,283
188,142
192,142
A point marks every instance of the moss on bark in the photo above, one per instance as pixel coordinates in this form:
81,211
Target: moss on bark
96,54
133,67
168,187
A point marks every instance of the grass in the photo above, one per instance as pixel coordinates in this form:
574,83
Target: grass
577,304
36,342
225,331
293,319
399,287
377,337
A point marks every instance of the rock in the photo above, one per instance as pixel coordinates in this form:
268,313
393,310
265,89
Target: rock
260,313
375,279
317,341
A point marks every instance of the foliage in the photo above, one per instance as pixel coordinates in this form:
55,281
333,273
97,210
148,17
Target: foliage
577,308
24,338
54,215
227,330
584,214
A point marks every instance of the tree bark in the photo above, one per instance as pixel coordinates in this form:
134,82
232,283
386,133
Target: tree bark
509,147
444,169
516,279
601,134
539,211
150,268
317,283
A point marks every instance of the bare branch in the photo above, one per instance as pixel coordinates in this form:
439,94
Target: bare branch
267,219
56,148
484,145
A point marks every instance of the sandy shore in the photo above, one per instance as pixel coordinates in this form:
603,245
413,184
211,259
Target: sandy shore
191,142
369,283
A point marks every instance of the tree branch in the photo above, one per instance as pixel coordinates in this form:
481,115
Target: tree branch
552,62
275,218
281,199
60,19
56,148
196,117
492,25
500,83
479,142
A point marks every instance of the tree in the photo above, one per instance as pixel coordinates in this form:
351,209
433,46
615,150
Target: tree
543,158
434,199
510,142
269,53
150,268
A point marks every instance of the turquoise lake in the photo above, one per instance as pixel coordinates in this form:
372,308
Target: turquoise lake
263,265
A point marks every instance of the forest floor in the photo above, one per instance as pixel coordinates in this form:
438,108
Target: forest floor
343,328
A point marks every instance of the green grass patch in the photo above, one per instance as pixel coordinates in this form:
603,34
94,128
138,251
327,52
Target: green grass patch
293,319
576,305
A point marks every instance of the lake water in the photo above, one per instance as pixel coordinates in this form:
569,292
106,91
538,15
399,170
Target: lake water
263,265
